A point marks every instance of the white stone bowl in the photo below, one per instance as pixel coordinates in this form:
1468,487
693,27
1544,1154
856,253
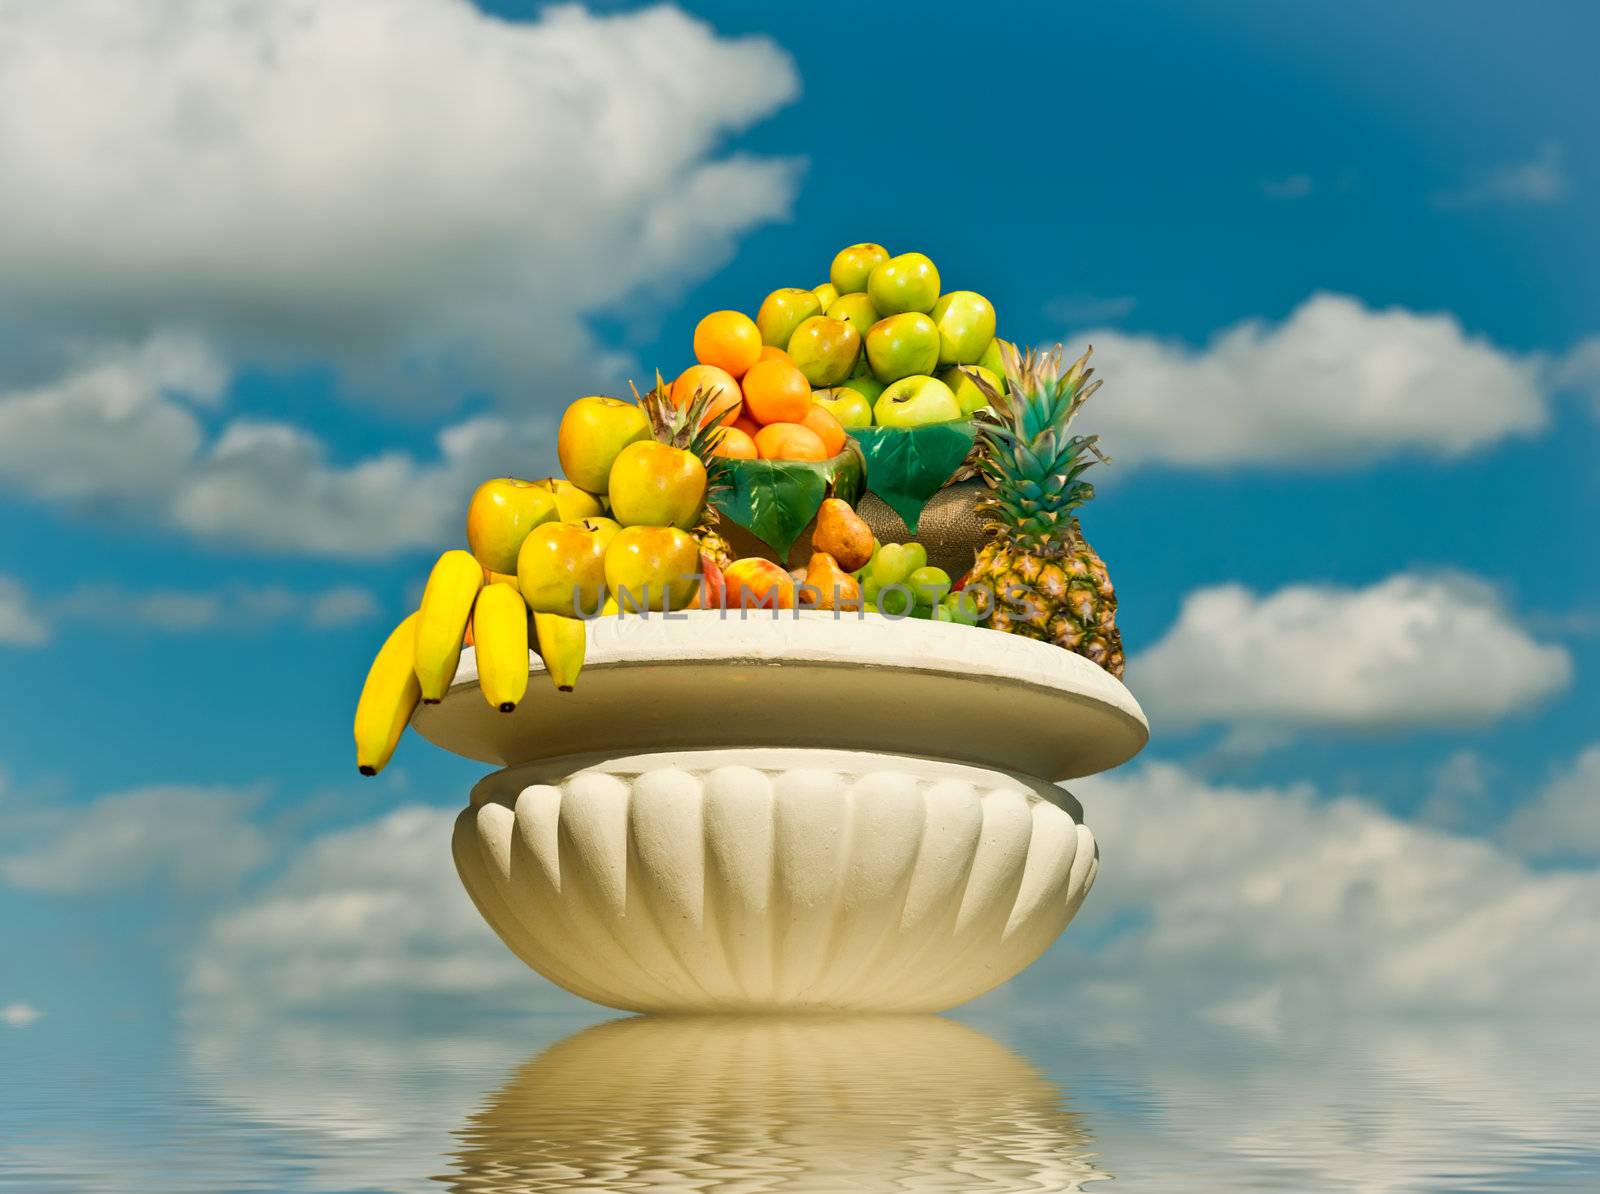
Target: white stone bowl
800,814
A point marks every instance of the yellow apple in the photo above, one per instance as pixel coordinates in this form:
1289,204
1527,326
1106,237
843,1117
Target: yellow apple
654,484
561,569
593,431
852,266
653,568
572,504
499,517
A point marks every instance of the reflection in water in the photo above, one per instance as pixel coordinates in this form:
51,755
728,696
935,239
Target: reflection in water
756,1104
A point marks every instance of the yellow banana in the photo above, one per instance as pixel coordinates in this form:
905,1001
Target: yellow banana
442,621
388,698
500,628
561,642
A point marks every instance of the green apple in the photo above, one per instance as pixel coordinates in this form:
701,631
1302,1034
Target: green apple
909,282
866,385
968,396
900,345
824,349
784,310
929,584
846,404
916,401
826,294
854,265
856,310
991,360
966,326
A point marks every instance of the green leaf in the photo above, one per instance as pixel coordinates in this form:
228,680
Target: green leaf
908,465
775,499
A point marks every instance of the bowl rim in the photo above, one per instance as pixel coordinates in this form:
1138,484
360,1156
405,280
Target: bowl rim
709,679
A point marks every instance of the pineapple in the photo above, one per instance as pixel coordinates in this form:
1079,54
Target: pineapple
1047,582
681,427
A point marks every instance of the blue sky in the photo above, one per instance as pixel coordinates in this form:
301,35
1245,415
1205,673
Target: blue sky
261,329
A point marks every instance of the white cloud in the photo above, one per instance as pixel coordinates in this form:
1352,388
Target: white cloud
363,920
28,620
425,195
1293,186
180,837
116,428
117,436
409,188
1334,385
1089,308
1579,370
342,605
272,485
238,607
1462,793
1409,651
19,1015
21,625
1275,903
1562,822
1542,179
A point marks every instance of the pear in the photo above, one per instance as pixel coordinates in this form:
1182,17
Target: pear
842,534
828,586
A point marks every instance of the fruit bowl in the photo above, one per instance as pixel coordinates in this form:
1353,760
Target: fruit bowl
800,813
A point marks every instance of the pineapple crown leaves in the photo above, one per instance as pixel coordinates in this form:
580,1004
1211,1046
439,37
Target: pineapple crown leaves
687,427
1028,454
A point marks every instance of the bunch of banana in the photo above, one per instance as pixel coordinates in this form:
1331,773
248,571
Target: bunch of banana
388,698
463,604
561,643
442,621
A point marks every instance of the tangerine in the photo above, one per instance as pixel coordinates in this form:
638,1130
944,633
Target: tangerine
776,392
735,445
729,340
725,396
790,441
829,430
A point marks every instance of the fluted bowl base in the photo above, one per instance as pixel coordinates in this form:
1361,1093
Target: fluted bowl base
767,880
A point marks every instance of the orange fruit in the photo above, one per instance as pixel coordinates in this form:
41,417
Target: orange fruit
729,340
776,392
790,441
771,353
747,425
725,398
735,445
829,430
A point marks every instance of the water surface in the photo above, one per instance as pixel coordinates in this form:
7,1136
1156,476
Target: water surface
1009,1099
